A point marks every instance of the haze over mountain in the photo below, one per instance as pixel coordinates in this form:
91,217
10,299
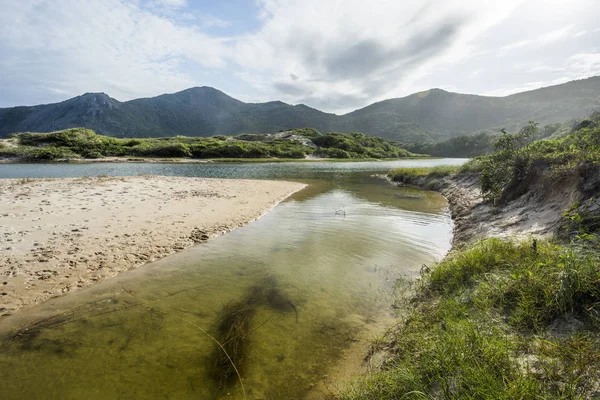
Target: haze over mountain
204,111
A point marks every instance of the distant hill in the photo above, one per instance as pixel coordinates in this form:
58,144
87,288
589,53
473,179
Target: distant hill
203,111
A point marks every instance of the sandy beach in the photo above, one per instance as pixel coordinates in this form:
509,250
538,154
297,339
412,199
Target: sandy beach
58,235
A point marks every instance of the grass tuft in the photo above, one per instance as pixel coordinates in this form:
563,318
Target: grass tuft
500,320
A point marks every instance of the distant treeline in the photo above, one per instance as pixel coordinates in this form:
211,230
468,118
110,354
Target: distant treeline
468,146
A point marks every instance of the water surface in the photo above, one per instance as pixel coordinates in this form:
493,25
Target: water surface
325,262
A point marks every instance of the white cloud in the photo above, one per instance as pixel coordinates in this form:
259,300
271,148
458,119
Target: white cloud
348,53
546,68
506,91
545,39
336,55
584,65
100,45
578,66
212,21
170,3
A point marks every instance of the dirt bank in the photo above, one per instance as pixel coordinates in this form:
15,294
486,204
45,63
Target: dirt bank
57,235
537,213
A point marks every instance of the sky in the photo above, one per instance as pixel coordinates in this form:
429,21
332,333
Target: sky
333,55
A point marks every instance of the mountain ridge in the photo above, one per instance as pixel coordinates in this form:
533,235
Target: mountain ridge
433,114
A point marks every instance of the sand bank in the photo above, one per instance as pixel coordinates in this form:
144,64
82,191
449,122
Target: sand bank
57,235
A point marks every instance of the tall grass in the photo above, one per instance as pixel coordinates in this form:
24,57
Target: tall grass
438,171
483,325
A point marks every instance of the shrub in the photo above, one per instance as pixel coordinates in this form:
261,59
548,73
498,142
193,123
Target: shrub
334,153
306,132
90,145
47,154
163,150
520,159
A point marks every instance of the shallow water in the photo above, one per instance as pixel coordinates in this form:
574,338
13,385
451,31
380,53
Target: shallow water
332,253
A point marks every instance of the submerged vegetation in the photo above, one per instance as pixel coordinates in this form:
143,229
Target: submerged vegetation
501,319
294,144
234,329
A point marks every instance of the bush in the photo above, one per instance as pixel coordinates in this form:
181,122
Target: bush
306,132
47,154
90,145
358,145
162,150
334,153
520,159
8,152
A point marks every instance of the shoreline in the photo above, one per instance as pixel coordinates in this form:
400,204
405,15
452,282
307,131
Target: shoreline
162,160
59,235
538,215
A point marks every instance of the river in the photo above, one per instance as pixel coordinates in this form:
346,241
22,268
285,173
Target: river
299,288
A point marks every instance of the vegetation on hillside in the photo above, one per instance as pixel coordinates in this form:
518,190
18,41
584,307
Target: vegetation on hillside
502,319
429,116
468,146
294,144
464,146
520,159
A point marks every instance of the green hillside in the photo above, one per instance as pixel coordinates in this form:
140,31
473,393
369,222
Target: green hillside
77,143
432,115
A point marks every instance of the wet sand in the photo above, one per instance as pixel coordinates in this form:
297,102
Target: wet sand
58,235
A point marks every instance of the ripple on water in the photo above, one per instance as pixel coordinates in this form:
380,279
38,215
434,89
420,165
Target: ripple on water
142,334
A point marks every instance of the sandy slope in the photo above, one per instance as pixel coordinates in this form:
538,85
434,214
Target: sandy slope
60,234
536,214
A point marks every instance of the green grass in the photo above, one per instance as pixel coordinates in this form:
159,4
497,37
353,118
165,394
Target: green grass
295,144
479,327
485,322
438,171
426,177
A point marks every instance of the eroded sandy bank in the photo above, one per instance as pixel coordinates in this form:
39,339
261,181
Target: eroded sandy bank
57,235
535,214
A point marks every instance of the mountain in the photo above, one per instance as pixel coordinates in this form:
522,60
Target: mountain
437,114
203,111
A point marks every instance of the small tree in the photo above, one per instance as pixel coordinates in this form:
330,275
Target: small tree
528,134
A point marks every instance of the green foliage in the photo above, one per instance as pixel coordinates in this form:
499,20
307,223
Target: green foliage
333,152
437,172
306,132
47,154
7,151
429,177
296,143
532,283
154,149
478,326
583,221
464,146
434,115
474,165
520,158
358,145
